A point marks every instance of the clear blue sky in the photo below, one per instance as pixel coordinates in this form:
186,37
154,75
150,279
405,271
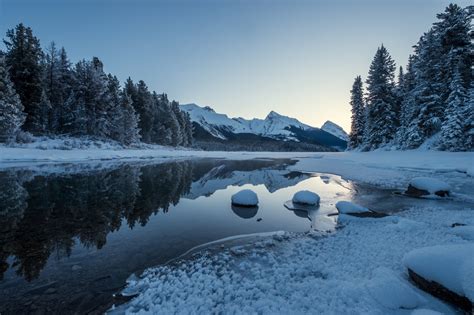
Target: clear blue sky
243,58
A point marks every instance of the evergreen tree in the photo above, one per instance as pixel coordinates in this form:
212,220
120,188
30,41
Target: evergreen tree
358,114
468,117
57,85
453,128
382,116
407,104
23,59
131,133
142,103
11,109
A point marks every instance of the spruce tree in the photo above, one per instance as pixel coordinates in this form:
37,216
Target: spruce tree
23,58
382,116
358,114
11,109
452,131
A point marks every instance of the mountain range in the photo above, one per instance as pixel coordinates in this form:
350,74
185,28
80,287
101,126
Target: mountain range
276,132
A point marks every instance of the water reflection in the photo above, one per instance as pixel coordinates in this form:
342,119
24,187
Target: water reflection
69,237
42,214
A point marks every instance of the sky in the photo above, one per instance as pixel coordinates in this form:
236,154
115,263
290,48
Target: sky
243,58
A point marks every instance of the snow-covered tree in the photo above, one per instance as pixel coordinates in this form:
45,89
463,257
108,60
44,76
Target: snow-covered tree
23,58
382,116
11,109
57,85
358,114
453,129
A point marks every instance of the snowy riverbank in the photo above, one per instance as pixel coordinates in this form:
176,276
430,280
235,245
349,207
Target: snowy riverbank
359,269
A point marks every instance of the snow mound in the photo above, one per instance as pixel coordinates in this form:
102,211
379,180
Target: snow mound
246,198
466,232
431,185
449,265
306,197
388,290
348,207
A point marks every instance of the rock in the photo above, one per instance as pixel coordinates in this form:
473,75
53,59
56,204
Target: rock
426,186
353,209
306,197
445,271
245,198
440,291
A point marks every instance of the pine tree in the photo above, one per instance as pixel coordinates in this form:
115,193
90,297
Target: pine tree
452,131
57,85
382,116
23,58
131,133
468,117
358,114
11,109
142,103
407,104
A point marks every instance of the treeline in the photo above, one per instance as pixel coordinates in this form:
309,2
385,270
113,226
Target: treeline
42,93
434,96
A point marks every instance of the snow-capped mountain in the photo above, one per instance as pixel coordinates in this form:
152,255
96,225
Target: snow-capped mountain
274,126
335,130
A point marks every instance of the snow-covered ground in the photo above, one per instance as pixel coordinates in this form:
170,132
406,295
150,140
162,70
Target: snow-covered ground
358,269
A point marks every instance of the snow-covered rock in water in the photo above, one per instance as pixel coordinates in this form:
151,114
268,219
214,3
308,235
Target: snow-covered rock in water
306,197
245,198
355,210
335,130
445,271
348,207
391,292
423,186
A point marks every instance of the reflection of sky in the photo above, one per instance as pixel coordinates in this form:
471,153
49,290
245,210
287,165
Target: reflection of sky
244,58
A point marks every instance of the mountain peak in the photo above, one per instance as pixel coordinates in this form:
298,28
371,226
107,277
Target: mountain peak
273,114
335,130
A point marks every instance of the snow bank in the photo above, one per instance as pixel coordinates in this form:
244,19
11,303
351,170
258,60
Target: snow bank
347,207
306,197
333,274
246,198
452,266
390,291
431,185
466,232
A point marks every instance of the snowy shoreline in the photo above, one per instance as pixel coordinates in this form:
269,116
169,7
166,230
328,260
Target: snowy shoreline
350,271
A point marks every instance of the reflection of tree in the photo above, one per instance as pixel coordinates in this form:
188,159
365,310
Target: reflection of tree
47,214
12,206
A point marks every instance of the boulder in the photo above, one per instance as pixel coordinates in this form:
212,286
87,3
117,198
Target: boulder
426,186
305,197
245,198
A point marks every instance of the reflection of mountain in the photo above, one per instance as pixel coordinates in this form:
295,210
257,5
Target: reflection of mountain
44,213
220,178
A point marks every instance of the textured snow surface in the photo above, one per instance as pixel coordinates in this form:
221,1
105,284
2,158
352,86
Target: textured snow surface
466,232
306,197
449,265
245,197
429,184
350,207
347,272
335,130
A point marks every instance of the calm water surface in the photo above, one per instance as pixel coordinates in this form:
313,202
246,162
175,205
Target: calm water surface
69,237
